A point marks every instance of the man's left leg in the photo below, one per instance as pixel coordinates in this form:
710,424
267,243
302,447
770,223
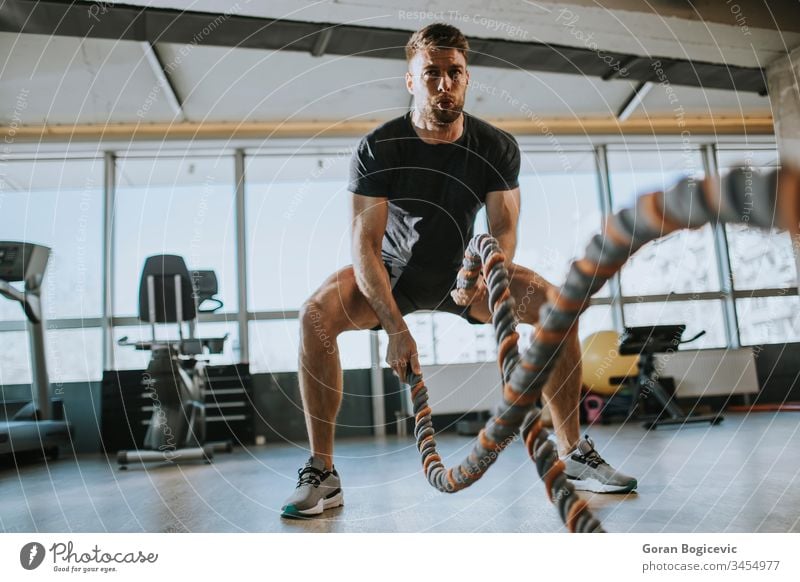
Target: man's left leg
562,391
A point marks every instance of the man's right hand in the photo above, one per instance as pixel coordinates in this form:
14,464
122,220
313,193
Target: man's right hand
402,353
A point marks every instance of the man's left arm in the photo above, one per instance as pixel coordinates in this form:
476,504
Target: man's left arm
502,213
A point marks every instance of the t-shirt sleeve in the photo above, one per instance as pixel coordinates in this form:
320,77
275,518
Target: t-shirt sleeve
504,173
368,177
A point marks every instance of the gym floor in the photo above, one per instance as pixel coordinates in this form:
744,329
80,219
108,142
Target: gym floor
740,476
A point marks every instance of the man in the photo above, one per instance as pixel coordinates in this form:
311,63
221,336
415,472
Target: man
418,182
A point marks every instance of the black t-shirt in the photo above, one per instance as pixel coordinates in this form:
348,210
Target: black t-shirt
434,192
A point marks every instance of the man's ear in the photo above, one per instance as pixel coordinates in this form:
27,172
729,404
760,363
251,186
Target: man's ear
409,83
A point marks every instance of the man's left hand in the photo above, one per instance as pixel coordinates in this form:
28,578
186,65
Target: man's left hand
476,294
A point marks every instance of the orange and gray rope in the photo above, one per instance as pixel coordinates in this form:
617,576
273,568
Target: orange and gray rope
517,408
764,201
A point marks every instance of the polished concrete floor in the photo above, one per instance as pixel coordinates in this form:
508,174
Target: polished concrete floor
741,476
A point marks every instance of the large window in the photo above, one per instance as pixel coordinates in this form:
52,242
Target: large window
759,259
180,206
297,229
769,320
59,204
457,341
275,344
15,365
73,355
298,234
560,211
682,262
444,338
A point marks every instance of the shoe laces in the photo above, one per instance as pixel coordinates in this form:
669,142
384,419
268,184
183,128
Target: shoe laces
593,458
309,475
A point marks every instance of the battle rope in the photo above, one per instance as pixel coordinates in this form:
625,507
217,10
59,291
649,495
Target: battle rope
744,196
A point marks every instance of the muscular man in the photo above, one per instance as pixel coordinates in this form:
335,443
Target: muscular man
418,182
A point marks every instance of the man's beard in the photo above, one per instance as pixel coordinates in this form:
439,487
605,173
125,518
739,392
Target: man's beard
437,115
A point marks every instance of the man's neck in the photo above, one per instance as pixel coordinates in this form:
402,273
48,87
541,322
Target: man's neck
435,133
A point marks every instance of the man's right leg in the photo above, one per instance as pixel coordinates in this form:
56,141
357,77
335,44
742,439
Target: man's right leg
337,306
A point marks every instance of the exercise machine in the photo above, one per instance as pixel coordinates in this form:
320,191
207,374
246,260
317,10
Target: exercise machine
175,377
34,427
646,342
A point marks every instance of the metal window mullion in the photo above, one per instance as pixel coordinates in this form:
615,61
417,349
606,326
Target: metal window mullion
376,381
241,258
435,353
722,258
109,198
796,253
604,194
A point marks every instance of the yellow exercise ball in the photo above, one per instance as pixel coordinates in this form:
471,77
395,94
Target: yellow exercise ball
602,362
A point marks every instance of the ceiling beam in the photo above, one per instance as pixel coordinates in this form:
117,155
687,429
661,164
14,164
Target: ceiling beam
322,43
164,80
779,15
104,20
634,100
281,129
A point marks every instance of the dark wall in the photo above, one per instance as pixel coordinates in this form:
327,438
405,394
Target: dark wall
81,409
279,411
278,414
392,401
778,369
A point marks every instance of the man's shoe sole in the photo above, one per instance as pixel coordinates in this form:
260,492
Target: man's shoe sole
596,486
291,512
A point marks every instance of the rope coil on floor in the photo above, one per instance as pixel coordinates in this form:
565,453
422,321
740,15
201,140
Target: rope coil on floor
743,196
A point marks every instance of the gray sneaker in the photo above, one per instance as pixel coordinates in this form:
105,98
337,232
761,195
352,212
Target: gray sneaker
589,472
317,490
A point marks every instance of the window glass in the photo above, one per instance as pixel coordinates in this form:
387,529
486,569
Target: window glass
298,227
559,211
682,262
58,204
180,206
696,315
274,347
759,259
768,320
73,355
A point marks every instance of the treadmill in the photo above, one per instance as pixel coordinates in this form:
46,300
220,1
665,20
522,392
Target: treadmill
32,428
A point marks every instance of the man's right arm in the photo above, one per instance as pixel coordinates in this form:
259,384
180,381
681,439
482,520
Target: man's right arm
370,215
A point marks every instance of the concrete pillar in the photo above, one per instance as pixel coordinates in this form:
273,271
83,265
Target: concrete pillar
784,95
783,77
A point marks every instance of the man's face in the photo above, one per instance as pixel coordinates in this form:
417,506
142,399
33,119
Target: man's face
438,81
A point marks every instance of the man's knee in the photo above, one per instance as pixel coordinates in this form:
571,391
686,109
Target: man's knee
317,323
530,297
